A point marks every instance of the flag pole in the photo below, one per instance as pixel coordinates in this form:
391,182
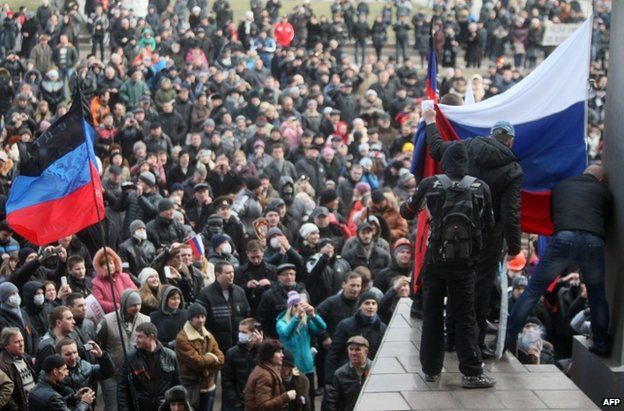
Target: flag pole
104,239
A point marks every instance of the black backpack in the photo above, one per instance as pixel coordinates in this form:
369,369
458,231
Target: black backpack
456,234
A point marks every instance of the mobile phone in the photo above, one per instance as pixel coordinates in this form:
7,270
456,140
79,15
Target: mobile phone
58,249
63,281
88,347
426,104
303,297
167,271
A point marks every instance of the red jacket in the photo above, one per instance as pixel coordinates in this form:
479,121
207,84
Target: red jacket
284,33
102,283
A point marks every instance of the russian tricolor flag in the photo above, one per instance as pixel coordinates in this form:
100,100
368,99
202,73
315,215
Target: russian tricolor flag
197,245
547,109
58,191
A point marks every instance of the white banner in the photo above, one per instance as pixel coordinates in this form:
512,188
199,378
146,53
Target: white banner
555,33
94,309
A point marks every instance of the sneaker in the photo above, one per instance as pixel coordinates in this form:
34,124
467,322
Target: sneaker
478,381
432,377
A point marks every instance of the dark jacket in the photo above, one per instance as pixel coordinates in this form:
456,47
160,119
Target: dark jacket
335,309
86,374
137,255
495,164
36,315
247,272
151,378
18,398
224,315
197,214
52,397
165,232
239,362
168,322
354,325
314,170
346,387
377,260
324,276
581,203
31,337
383,279
272,303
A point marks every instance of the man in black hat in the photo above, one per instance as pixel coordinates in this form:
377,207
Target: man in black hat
222,179
165,230
346,102
247,204
325,271
255,276
273,301
232,225
310,167
49,394
199,207
294,380
365,253
328,228
157,140
453,250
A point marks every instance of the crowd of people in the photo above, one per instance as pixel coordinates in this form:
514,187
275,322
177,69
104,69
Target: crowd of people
282,142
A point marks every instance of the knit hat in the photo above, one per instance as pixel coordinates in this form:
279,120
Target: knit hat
196,309
362,188
401,244
7,289
293,299
129,298
252,183
146,274
328,196
404,176
519,282
23,254
367,295
52,362
273,231
135,225
148,178
165,204
518,262
217,240
289,358
307,229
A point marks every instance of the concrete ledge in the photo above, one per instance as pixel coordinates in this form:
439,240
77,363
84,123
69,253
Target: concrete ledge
599,378
396,381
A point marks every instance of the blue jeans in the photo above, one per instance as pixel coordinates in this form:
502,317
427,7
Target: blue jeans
567,247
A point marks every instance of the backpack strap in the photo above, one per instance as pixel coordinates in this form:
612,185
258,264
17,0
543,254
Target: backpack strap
444,180
467,181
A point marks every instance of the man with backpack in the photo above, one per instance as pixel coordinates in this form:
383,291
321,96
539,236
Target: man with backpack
491,160
461,217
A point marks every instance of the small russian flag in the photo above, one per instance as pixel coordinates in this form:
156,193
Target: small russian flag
197,245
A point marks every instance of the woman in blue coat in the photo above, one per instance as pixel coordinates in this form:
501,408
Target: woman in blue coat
295,328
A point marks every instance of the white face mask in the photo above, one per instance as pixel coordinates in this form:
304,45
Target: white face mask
140,235
243,338
275,243
39,299
226,248
14,301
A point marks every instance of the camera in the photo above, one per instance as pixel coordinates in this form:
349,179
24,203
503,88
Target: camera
258,327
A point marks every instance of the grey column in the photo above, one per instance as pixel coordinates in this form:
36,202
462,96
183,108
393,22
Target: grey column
614,163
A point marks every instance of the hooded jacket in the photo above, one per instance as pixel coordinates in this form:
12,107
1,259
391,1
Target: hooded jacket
36,315
496,165
108,330
102,282
168,321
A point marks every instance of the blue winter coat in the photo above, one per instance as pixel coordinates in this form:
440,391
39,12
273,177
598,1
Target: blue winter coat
298,341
